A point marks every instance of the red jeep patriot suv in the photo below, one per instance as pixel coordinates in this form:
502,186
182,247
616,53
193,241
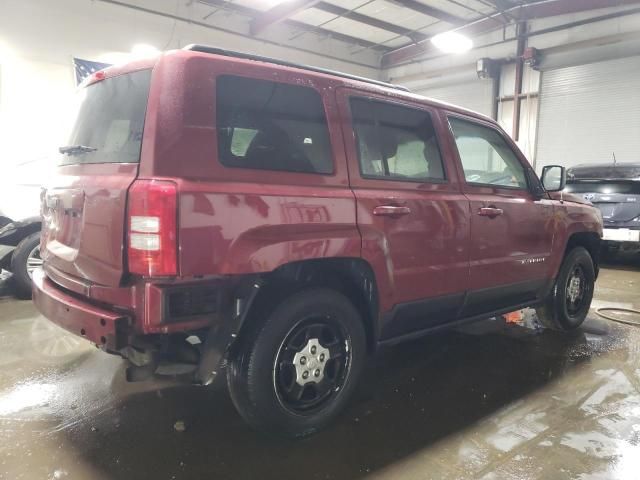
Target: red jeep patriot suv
221,212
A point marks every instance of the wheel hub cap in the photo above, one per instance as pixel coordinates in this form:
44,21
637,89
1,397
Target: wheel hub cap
34,261
573,292
310,362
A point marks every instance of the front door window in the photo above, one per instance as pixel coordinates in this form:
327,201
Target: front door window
486,157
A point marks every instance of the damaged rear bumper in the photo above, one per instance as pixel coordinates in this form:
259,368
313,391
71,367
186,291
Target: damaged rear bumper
153,338
106,328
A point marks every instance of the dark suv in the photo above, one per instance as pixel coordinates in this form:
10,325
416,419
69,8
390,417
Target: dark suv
615,190
218,209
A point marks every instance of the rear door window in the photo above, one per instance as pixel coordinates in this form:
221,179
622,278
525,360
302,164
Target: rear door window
395,142
271,126
110,120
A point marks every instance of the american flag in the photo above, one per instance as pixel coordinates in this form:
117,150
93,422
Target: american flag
84,68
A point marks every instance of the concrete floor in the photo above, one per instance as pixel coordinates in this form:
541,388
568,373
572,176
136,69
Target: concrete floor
493,401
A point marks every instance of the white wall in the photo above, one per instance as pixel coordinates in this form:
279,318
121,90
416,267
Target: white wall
39,38
528,106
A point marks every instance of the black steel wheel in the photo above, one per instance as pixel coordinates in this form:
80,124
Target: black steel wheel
296,368
312,364
570,299
575,290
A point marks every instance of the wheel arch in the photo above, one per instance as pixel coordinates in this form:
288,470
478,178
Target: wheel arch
590,241
353,277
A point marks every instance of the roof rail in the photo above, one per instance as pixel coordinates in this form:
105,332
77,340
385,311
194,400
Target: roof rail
260,58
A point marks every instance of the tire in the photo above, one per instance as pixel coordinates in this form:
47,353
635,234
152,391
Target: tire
21,277
566,308
264,375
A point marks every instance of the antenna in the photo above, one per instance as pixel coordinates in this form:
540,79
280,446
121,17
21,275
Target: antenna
614,159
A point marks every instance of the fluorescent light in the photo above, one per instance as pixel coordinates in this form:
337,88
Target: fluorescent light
452,42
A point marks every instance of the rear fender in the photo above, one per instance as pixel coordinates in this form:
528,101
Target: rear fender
265,249
232,233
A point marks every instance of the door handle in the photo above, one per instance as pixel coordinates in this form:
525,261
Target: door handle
391,210
490,212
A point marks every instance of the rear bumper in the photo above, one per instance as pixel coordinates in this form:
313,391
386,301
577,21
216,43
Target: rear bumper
620,235
105,328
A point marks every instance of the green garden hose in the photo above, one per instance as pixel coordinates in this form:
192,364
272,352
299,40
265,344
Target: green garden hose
619,320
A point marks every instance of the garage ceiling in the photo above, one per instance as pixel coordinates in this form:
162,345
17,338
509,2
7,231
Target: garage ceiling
380,24
398,29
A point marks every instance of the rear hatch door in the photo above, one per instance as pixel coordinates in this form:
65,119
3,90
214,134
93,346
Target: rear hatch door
618,200
84,205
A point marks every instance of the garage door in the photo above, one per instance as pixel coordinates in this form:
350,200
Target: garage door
589,112
476,95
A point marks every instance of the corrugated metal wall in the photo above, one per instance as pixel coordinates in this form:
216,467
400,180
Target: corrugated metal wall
475,95
588,112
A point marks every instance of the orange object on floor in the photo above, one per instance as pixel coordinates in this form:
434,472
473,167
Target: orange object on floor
513,317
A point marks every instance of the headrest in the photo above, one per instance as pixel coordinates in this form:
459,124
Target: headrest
388,142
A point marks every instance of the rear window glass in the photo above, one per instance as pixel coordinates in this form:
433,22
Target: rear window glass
271,126
605,187
110,121
612,171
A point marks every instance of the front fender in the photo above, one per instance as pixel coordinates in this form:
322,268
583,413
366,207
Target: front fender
571,219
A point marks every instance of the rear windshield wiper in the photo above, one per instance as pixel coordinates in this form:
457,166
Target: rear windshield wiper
76,149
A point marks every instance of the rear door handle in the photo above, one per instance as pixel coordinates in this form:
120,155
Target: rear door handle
391,210
490,212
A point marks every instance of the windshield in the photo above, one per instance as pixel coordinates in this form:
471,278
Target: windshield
110,121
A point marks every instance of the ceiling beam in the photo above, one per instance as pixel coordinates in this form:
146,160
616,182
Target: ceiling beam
524,12
371,21
564,7
280,12
501,4
430,11
251,12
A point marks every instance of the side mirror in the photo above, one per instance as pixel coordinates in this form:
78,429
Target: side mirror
554,178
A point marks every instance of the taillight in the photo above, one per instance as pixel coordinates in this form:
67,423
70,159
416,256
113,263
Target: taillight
151,227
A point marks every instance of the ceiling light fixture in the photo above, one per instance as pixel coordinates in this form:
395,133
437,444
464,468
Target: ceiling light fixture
452,42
